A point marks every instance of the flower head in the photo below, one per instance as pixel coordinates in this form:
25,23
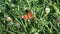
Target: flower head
47,10
9,19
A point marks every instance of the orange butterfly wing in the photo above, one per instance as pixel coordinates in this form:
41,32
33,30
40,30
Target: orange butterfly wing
25,16
30,15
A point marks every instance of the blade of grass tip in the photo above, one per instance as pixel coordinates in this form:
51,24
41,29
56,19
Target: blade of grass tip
12,29
24,27
17,32
1,28
45,15
43,30
48,28
28,3
30,22
9,31
54,27
18,8
56,9
7,28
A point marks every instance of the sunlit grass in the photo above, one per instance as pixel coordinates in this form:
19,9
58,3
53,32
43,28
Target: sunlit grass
45,14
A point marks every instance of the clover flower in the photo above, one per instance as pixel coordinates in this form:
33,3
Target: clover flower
47,10
9,19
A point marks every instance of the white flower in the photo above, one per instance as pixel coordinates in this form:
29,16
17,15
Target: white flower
47,10
9,19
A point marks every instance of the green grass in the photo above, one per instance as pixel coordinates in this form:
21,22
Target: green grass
44,23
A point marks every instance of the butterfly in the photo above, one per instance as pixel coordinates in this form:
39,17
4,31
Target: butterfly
28,15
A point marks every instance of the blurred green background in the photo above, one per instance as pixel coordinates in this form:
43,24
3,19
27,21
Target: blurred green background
47,13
